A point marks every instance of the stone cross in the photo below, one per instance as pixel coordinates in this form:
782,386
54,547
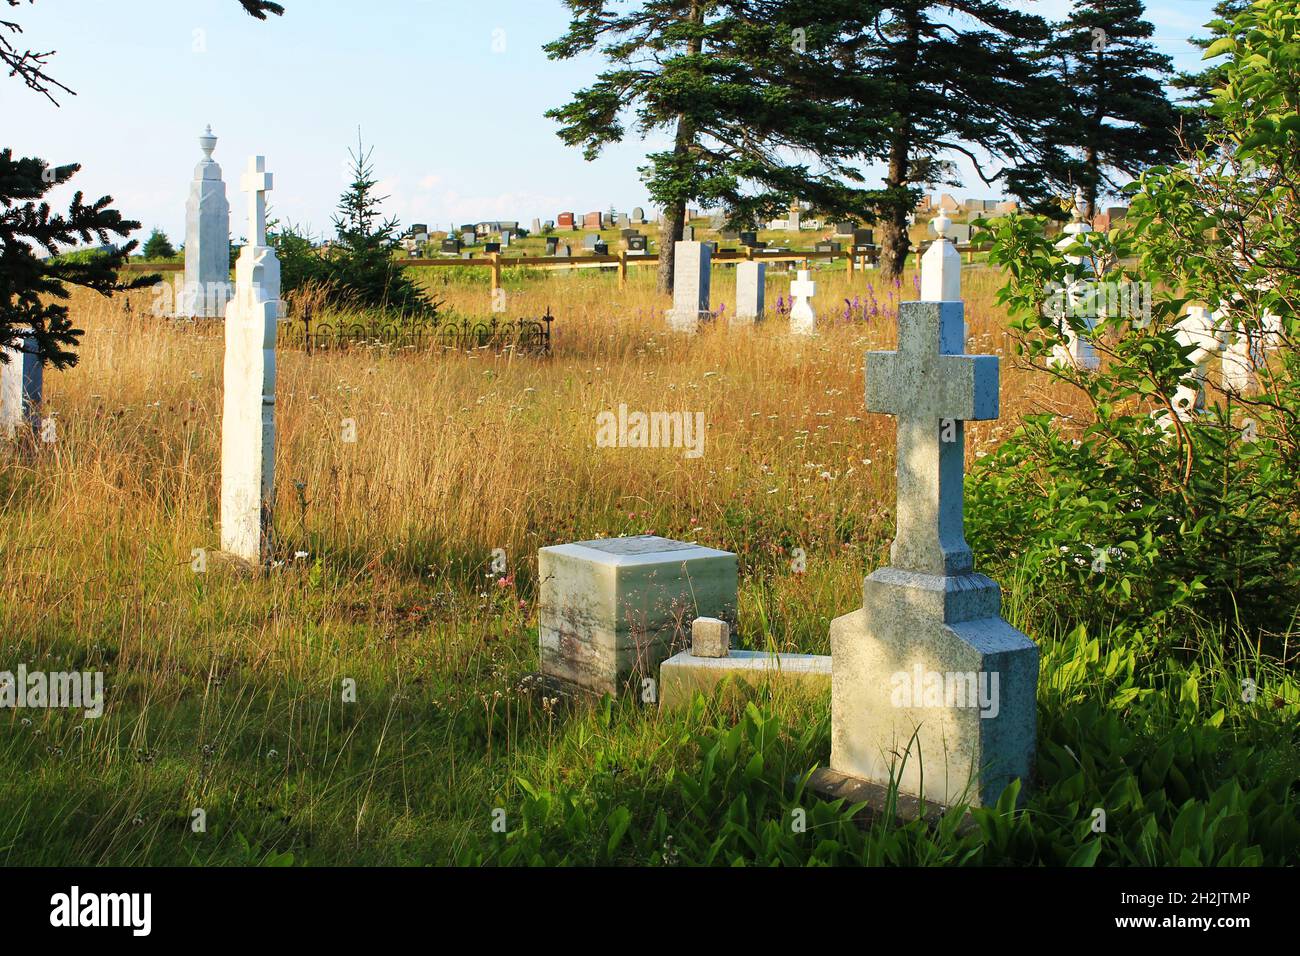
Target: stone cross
248,403
803,320
932,692
933,389
207,239
256,181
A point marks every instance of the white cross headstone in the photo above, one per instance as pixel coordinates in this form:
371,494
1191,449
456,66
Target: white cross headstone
22,377
207,238
248,419
1077,350
803,320
751,278
930,687
1206,333
692,268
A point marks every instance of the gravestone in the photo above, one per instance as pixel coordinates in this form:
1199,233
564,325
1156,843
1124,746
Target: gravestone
827,247
491,247
636,243
610,610
795,222
248,403
930,687
589,241
467,238
1205,334
207,238
622,221
1076,350
638,215
688,233
537,226
844,228
418,229
552,243
606,221
505,238
565,220
549,225
566,250
750,292
451,245
22,381
692,267
803,320
591,220
863,237
601,248
729,235
748,237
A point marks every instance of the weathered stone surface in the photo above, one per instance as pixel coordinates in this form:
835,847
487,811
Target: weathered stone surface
248,416
751,279
22,381
692,271
684,674
611,610
207,238
933,689
710,637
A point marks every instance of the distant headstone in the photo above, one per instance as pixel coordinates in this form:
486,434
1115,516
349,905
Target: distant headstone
692,263
566,250
564,220
22,378
418,228
451,245
803,320
748,237
863,237
589,241
248,404
537,227
827,247
795,222
591,220
467,237
844,228
491,247
750,292
688,233
638,215
207,238
552,243
636,243
601,248
729,235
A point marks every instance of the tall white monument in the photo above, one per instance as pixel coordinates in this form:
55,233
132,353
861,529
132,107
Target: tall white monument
248,420
930,687
1076,350
207,238
692,270
751,280
22,376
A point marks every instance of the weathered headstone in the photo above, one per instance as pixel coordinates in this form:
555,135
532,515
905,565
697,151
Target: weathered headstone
591,220
537,226
467,237
750,291
601,248
688,233
552,243
22,380
248,416
636,243
692,268
638,215
611,610
207,238
589,241
931,688
803,320
622,221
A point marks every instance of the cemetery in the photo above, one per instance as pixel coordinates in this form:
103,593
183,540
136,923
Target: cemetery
645,536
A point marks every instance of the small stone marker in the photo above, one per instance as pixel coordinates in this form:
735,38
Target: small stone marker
930,686
751,278
22,380
610,610
803,320
248,416
710,637
207,238
692,269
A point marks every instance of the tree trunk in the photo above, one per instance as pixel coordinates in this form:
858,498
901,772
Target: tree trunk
675,212
895,243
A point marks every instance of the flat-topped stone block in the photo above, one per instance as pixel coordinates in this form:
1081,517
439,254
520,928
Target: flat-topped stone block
682,675
611,610
710,637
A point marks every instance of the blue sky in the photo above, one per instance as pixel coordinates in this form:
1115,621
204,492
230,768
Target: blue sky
450,93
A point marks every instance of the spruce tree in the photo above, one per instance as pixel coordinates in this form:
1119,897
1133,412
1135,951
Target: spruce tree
158,246
1116,118
1197,86
749,115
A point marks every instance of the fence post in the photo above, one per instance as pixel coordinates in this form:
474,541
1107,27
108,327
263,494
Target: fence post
848,262
622,268
496,273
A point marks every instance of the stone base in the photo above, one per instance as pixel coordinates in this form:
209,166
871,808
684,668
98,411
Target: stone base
690,321
931,688
832,785
683,674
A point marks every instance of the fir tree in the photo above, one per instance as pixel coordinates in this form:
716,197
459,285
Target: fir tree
1117,118
158,246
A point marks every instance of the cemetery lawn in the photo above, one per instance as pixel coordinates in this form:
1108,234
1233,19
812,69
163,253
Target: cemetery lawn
225,691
